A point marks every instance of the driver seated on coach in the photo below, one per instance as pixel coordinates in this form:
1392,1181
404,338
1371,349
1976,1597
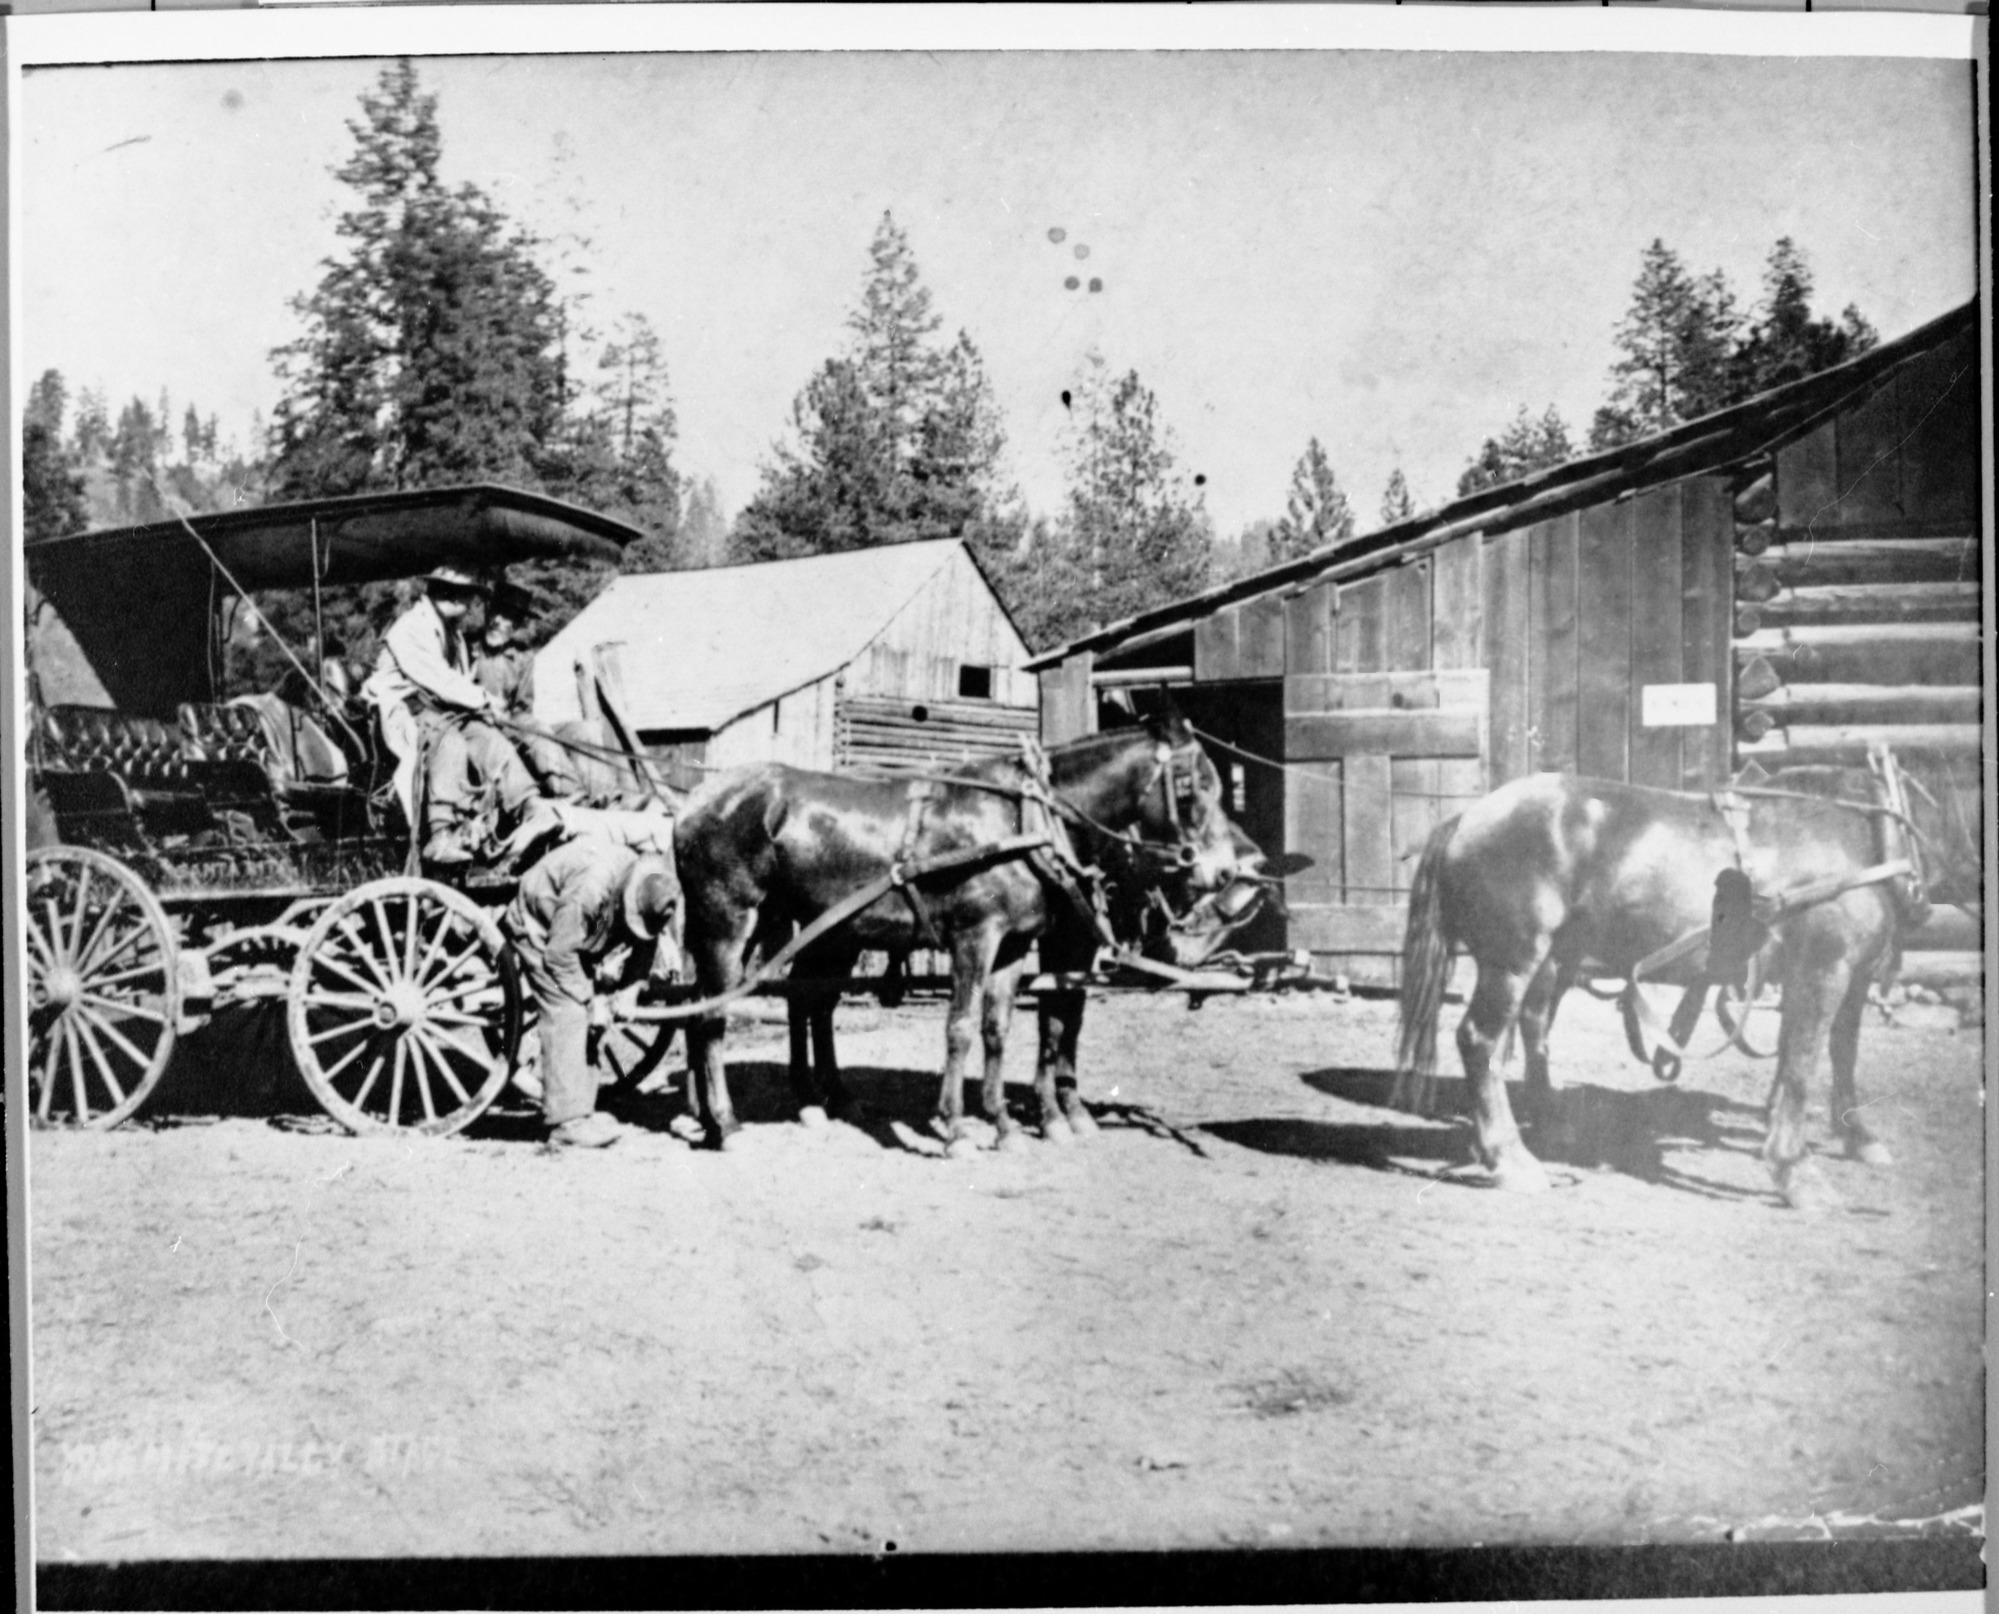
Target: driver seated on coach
426,699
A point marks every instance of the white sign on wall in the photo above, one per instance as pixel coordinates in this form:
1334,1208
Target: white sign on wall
1663,706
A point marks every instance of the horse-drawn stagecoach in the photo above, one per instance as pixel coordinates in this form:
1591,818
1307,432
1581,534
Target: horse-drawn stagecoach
188,853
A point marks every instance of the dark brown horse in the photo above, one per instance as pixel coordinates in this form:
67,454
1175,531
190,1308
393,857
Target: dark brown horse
773,847
1552,878
1155,912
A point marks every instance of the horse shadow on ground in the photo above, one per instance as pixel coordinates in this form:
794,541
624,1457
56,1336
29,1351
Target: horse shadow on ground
1596,1128
896,1105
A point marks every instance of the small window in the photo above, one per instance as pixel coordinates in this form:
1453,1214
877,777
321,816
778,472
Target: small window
975,683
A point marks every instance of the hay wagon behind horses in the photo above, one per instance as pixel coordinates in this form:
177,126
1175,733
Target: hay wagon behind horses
184,862
1805,879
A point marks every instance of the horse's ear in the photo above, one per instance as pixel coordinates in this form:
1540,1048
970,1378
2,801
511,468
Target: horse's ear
1751,773
1169,724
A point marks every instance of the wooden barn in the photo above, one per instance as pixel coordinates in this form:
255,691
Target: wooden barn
1780,582
884,657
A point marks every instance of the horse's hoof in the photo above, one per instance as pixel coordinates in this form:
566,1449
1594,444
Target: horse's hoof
733,1141
1520,1174
1011,1141
812,1117
1057,1130
1081,1121
1869,1152
961,1149
687,1129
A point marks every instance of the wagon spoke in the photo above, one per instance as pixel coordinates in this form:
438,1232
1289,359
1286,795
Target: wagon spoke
346,1000
132,1052
122,976
75,1061
346,1028
387,932
52,927
139,934
48,1073
345,1060
442,1059
396,1083
117,1006
40,944
89,1039
418,1069
368,1084
328,962
86,953
431,949
82,898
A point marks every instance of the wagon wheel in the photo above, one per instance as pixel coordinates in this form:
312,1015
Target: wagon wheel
632,1050
104,996
405,1008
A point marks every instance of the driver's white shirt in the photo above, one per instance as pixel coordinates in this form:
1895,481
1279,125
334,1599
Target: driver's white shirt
421,660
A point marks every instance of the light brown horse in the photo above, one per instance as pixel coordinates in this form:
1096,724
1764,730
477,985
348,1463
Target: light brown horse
1553,877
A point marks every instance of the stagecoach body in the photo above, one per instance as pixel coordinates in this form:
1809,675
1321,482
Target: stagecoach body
188,855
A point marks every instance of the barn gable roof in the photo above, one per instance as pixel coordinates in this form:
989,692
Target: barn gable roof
1710,443
703,648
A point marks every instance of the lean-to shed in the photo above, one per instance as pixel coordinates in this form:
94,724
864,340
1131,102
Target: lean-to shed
1783,582
895,655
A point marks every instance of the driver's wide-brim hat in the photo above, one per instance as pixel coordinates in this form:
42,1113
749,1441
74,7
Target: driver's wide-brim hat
451,575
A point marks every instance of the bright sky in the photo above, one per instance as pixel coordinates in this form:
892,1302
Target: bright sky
1390,250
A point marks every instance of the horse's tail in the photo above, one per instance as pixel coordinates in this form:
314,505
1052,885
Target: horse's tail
1426,966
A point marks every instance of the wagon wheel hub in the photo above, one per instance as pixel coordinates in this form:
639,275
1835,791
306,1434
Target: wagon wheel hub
59,988
400,1004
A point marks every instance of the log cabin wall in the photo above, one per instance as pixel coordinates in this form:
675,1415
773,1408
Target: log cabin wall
1857,577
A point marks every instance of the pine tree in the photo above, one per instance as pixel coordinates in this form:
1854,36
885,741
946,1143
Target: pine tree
430,352
52,497
704,532
1677,340
1316,513
1526,446
1787,342
1396,505
1132,534
894,440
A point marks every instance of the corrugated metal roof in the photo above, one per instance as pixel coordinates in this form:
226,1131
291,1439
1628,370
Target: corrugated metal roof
1730,435
700,649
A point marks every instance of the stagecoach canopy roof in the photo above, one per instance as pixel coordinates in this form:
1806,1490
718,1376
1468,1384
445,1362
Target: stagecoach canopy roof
137,601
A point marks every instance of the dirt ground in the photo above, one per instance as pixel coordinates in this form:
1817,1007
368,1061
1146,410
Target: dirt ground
1259,1309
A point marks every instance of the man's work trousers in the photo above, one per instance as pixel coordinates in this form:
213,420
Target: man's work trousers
468,756
562,993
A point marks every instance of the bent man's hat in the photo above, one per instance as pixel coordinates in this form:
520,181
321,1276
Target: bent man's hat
651,897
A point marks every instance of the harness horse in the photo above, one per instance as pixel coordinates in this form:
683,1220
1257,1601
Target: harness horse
1807,880
981,864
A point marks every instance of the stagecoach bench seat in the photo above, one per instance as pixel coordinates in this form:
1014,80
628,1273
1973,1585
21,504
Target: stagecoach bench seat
225,734
95,761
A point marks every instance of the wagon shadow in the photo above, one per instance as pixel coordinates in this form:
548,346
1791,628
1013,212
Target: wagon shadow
1598,1128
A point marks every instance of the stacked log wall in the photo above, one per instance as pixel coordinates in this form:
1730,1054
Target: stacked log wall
1857,571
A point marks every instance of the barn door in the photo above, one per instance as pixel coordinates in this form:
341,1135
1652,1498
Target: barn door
1376,761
